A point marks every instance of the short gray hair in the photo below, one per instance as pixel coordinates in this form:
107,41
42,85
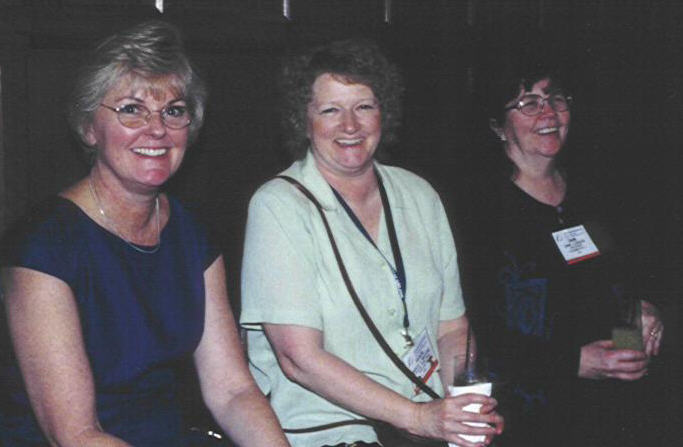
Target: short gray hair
148,50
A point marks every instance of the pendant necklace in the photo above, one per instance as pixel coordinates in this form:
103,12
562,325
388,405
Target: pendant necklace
111,225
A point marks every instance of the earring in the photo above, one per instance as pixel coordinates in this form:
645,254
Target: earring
502,137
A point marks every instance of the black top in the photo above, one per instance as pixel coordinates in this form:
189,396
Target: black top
532,312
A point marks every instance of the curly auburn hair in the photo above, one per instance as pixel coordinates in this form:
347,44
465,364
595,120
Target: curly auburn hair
356,60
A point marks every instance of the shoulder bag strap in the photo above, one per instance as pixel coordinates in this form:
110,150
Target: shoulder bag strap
356,300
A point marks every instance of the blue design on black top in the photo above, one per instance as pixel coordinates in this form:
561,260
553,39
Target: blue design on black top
525,299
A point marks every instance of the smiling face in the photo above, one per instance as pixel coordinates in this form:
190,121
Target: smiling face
542,135
344,125
146,157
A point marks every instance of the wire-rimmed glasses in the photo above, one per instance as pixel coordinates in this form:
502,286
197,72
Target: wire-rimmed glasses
135,116
532,105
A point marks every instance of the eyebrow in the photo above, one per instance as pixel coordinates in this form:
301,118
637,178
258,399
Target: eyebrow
552,89
136,99
549,92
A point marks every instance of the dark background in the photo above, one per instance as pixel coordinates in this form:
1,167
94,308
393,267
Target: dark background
623,59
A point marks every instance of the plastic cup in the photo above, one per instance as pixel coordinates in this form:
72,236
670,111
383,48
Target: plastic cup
476,388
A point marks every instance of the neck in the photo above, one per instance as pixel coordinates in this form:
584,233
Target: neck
135,218
547,187
133,210
356,189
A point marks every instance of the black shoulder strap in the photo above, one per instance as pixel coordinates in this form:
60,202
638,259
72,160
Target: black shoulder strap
356,300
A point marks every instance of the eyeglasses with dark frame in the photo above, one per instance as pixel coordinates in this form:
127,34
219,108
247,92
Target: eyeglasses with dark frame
532,105
135,116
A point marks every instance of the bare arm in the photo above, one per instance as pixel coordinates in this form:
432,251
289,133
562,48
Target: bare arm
226,383
46,334
452,343
303,360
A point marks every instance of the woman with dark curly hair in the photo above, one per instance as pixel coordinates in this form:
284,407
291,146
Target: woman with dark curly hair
393,258
548,280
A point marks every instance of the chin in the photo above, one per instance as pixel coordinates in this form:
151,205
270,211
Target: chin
550,150
155,179
355,167
355,160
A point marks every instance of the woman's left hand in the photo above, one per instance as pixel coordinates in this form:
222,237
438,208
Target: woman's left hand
653,328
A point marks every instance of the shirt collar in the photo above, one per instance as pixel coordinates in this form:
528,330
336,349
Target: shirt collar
309,175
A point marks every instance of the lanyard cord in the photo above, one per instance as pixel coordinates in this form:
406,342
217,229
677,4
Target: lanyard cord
356,299
398,272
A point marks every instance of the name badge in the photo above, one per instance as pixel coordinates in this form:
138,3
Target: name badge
421,359
575,244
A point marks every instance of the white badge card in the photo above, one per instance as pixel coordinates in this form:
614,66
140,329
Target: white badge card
575,244
421,359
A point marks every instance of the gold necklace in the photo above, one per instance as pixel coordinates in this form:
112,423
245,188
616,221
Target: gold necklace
111,224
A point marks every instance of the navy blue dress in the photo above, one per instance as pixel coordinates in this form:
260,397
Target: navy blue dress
141,315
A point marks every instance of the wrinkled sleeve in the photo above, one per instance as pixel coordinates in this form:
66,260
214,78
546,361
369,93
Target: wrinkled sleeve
279,274
452,304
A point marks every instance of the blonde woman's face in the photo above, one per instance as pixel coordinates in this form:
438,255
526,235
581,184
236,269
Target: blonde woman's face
143,157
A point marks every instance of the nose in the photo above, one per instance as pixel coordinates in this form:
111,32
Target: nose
546,107
350,122
155,125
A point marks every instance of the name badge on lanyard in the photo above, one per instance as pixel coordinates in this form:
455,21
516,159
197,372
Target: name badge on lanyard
421,359
575,244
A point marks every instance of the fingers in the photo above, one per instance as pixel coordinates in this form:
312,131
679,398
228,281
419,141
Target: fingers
459,441
650,344
626,360
626,365
627,376
658,343
604,344
449,418
623,364
472,429
467,435
653,328
472,408
653,339
472,398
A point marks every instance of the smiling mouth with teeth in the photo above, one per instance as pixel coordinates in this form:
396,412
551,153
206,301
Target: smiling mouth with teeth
149,152
350,142
548,130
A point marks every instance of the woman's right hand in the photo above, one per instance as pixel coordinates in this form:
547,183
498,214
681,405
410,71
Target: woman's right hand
599,360
446,419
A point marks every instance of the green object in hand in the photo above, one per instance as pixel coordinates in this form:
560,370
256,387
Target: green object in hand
627,337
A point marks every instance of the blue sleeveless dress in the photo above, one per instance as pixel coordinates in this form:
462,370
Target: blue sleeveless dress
141,315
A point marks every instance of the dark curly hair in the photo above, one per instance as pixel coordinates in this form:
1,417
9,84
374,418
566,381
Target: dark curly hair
503,84
357,60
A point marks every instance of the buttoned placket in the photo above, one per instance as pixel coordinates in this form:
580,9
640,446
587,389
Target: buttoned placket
396,269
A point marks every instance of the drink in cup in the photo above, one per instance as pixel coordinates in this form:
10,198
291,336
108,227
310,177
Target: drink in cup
627,331
473,379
